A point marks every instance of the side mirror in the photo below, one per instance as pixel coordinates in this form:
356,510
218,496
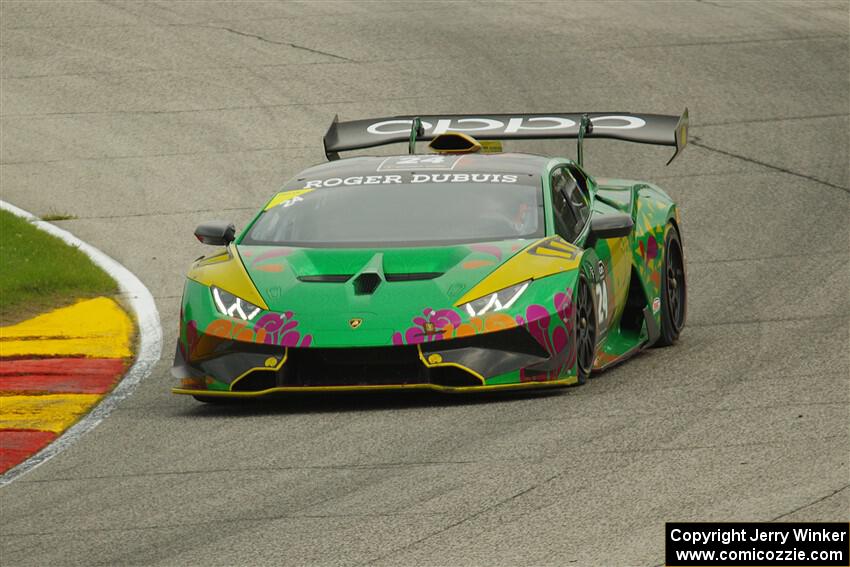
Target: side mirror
609,226
217,233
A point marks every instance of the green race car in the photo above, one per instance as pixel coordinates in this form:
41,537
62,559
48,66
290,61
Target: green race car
464,269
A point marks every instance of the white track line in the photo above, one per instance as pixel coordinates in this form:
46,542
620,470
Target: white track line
147,354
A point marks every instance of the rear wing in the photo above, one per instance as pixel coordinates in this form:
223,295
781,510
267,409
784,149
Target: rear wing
657,129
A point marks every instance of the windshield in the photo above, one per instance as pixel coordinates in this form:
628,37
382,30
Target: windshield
402,213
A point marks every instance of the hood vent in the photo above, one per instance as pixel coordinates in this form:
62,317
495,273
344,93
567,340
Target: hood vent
399,277
366,283
412,277
329,278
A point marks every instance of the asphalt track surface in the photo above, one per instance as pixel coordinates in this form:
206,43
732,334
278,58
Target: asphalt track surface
144,119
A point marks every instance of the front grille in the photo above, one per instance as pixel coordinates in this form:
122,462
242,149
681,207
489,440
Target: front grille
488,354
354,367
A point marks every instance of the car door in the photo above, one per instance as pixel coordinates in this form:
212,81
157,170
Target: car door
571,204
616,257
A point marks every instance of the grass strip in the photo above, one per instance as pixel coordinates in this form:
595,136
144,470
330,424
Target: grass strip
39,272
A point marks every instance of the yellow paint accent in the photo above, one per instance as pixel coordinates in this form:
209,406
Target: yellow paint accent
94,328
222,256
556,257
379,387
621,272
53,412
229,275
490,146
438,364
435,358
271,362
247,372
285,196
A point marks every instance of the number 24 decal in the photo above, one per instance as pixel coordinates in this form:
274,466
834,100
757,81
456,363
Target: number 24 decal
601,296
415,160
602,302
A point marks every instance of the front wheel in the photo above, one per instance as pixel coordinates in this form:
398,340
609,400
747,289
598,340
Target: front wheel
673,290
585,331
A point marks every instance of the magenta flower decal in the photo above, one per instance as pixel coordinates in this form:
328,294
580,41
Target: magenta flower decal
280,330
494,251
556,340
440,319
651,247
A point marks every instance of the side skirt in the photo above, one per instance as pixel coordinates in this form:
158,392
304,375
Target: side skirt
652,333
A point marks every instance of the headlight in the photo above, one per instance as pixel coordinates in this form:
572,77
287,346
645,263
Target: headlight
232,306
502,299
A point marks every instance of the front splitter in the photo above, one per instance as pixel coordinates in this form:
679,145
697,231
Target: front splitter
379,387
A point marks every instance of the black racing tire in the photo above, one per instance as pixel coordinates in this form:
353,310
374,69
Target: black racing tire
585,330
674,293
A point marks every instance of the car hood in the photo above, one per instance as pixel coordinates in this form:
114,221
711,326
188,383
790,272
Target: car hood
375,297
308,278
383,288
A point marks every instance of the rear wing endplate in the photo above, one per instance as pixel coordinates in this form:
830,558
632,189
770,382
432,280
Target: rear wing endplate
656,129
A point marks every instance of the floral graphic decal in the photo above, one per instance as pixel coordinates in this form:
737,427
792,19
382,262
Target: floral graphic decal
553,331
189,339
270,260
271,329
441,324
557,340
430,326
650,252
492,255
488,249
279,329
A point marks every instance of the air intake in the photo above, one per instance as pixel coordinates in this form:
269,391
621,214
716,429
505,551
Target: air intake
256,381
366,283
454,143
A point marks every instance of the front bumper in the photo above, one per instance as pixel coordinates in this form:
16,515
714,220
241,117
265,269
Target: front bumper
507,359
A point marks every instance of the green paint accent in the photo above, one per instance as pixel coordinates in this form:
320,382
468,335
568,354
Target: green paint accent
218,386
506,378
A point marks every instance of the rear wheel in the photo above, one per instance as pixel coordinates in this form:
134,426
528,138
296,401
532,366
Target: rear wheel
585,331
673,290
